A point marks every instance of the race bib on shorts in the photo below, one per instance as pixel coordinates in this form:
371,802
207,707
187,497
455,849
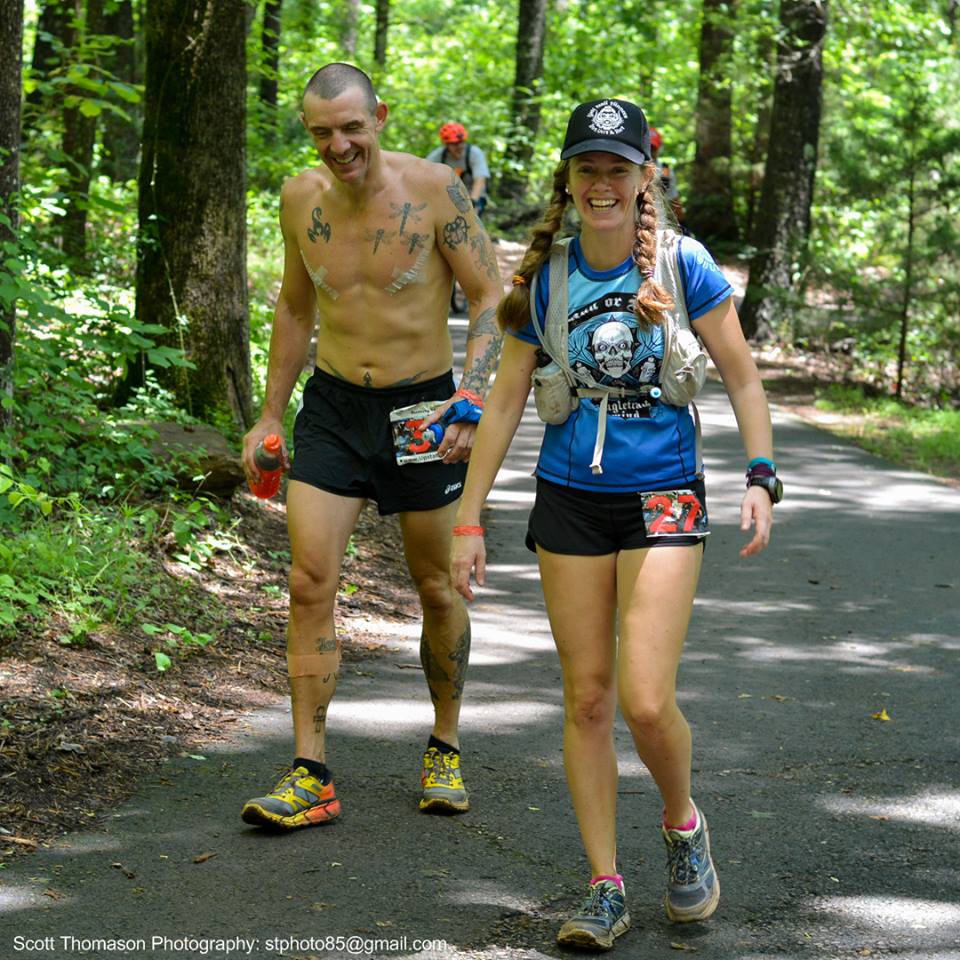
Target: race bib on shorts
411,442
674,513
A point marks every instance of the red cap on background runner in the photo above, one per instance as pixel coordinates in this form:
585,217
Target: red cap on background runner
656,138
453,133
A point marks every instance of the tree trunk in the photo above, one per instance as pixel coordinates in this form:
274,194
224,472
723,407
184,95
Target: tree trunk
784,217
51,39
348,33
191,257
270,59
525,109
11,43
710,204
79,136
121,138
766,58
380,37
908,265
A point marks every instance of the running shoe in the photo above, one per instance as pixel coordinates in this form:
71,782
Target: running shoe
693,887
298,800
443,790
600,920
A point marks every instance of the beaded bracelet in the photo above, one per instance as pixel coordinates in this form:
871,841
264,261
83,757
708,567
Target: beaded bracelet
474,398
463,530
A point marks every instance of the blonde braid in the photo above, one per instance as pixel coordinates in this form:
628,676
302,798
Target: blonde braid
652,299
513,313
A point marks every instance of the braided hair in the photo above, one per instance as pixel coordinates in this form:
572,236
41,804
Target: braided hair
513,312
651,298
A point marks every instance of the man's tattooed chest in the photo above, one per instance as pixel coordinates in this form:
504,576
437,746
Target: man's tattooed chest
387,251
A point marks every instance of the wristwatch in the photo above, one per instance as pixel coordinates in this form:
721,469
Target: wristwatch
770,482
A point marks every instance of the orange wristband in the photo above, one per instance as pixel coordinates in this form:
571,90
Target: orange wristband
462,530
474,398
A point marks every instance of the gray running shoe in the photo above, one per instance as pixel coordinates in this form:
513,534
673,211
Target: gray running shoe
693,887
298,800
600,920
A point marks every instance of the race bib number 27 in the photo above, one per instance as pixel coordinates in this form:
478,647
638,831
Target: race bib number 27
674,513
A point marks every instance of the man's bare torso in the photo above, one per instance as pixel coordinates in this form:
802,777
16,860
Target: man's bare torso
382,285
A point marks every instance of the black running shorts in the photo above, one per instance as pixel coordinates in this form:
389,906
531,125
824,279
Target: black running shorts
342,443
585,523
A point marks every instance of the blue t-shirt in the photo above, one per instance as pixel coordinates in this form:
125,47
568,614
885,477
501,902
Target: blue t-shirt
649,444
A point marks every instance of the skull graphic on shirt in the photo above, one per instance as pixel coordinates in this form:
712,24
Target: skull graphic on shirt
612,348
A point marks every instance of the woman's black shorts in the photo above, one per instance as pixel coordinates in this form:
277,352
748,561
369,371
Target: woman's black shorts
589,524
342,443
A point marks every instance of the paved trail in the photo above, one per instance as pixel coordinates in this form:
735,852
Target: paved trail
836,834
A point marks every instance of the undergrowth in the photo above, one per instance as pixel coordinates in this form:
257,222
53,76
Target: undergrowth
927,439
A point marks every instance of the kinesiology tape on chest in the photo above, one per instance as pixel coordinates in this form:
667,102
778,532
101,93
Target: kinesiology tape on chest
402,278
318,276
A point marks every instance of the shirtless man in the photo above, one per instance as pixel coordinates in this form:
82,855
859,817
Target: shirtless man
372,241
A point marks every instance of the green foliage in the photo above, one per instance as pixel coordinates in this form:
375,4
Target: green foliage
175,639
926,439
85,567
885,228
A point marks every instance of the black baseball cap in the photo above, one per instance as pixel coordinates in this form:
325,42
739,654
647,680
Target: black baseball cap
610,126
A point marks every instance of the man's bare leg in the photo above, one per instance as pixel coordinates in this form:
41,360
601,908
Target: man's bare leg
444,650
320,524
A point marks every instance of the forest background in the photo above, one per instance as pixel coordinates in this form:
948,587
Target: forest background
143,144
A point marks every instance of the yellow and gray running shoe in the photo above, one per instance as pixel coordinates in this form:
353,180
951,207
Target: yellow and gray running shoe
443,790
298,800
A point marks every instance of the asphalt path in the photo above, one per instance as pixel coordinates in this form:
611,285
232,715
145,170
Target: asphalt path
836,831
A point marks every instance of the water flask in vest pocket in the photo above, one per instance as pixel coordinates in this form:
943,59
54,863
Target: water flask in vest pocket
684,367
553,393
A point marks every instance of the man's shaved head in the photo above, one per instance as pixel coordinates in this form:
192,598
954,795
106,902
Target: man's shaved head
335,78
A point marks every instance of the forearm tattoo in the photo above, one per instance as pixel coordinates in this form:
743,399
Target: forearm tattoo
483,251
484,325
478,375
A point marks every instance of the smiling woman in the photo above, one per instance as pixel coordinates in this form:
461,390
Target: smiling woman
629,531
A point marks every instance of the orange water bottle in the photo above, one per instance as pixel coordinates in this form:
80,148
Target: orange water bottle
269,460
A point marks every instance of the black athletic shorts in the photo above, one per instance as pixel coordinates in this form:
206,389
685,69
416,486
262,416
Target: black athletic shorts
585,523
342,443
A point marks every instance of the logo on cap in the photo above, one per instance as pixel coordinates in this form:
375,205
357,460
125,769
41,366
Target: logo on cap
607,118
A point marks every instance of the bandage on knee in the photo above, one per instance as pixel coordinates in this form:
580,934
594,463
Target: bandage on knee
313,664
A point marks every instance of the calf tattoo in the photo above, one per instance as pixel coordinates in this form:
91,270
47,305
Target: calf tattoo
434,670
431,668
327,645
319,719
460,656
